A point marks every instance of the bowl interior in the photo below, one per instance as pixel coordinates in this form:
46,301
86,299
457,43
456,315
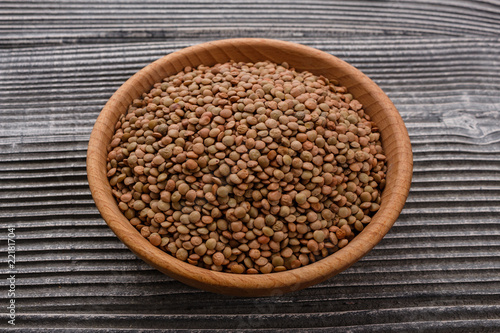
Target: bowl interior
395,142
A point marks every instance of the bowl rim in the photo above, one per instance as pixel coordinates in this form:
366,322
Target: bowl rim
276,283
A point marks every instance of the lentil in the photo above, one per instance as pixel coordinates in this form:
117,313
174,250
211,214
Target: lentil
247,167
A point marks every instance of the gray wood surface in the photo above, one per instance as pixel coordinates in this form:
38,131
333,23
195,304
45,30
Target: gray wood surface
438,269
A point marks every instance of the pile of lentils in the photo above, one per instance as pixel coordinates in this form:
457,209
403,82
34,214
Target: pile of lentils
247,167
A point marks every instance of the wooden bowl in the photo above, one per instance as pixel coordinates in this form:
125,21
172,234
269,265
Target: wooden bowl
395,141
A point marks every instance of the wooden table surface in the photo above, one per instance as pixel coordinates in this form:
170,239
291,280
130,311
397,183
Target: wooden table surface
437,270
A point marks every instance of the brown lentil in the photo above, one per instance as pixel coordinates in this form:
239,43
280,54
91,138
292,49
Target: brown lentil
247,167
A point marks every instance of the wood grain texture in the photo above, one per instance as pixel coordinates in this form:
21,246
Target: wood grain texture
436,270
395,140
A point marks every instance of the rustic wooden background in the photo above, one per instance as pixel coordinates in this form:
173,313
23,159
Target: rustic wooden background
438,269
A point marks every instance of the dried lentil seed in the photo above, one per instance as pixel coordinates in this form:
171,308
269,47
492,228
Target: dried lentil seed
217,164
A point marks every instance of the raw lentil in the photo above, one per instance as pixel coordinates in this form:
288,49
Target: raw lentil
247,167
